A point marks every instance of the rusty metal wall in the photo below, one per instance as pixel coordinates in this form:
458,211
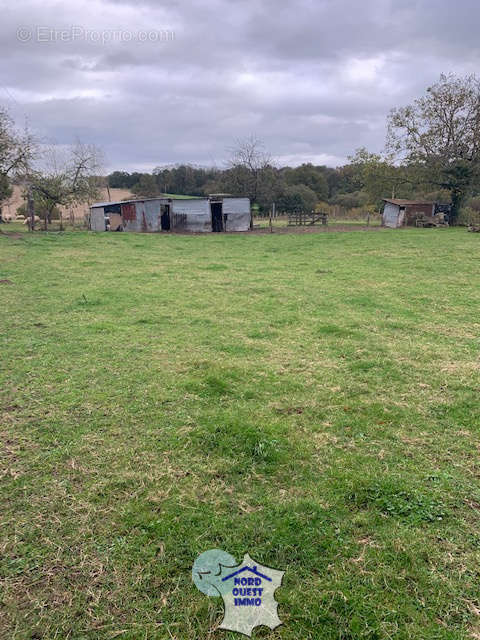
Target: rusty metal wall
141,216
130,216
414,210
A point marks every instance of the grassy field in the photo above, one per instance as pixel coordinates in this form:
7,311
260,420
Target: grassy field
311,399
282,221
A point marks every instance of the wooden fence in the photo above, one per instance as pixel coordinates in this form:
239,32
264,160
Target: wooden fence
298,218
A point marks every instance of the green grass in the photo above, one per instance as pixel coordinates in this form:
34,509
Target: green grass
311,399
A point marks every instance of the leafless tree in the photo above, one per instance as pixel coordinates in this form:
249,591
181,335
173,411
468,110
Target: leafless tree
248,163
68,176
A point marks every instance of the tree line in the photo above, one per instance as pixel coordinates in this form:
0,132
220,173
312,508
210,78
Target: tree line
289,187
432,152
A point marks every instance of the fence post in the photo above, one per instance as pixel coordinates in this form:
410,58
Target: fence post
30,209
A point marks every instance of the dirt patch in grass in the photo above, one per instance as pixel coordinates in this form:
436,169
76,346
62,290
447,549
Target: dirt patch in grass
12,234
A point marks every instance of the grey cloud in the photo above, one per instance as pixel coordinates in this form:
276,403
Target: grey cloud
314,78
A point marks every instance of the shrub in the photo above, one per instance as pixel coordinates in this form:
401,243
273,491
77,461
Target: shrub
298,197
468,216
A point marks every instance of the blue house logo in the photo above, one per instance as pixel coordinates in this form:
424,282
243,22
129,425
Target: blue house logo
247,591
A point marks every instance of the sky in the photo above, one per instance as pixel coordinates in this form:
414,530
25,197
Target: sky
156,82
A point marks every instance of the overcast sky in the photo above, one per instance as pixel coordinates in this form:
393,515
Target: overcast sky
156,82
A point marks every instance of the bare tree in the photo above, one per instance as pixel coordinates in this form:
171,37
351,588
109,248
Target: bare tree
248,163
67,177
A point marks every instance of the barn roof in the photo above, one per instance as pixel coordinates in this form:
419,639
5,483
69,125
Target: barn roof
404,203
101,204
166,197
161,198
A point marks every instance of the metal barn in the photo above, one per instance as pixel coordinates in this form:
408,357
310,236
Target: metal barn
171,214
397,213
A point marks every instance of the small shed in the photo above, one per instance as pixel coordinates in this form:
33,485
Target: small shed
398,213
215,213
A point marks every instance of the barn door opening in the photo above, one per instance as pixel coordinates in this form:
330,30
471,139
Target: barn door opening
217,217
165,217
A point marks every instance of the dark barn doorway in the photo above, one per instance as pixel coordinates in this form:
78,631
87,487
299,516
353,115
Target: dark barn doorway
217,217
165,217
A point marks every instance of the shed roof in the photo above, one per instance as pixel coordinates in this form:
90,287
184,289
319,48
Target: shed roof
101,204
404,203
160,198
164,198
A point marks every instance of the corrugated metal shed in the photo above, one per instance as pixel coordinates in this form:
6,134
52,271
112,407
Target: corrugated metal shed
398,212
170,214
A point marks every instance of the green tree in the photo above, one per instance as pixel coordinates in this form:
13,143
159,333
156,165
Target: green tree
380,177
146,187
439,136
352,200
5,191
297,197
16,151
310,176
119,180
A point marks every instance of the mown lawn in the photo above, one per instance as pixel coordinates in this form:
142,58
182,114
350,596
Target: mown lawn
311,399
